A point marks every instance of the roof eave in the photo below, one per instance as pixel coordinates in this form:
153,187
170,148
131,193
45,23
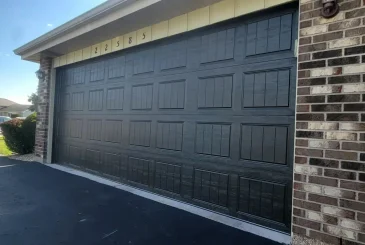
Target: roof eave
81,20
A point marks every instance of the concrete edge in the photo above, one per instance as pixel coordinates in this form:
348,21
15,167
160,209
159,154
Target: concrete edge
232,222
38,159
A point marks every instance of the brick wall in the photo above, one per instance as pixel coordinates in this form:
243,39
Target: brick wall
329,170
43,110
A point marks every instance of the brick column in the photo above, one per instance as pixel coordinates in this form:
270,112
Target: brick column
329,169
43,110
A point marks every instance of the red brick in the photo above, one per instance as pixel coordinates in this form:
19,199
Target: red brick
348,5
307,205
299,194
308,152
356,186
323,181
324,162
300,177
353,205
303,108
301,160
307,223
339,174
345,155
300,142
327,37
322,199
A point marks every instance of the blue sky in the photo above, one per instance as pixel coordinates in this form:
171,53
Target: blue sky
21,22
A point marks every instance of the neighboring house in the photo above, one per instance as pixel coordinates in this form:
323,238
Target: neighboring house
9,108
222,104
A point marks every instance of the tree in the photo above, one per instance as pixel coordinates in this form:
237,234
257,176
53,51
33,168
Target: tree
34,99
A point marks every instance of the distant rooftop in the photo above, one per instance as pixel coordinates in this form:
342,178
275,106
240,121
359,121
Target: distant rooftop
15,108
6,102
11,106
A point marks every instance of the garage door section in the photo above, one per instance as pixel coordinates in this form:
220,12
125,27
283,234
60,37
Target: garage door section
205,117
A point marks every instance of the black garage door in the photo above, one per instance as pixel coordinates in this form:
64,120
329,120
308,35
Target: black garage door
205,117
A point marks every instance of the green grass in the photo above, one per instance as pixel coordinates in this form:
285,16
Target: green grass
3,148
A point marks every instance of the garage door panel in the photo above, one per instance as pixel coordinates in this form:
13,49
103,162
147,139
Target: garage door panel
269,35
215,92
115,98
213,139
173,56
205,117
142,62
77,101
167,177
264,143
96,100
76,126
169,135
211,187
140,133
75,154
142,97
94,129
116,67
113,131
93,159
218,46
263,199
111,164
79,75
171,94
139,170
266,89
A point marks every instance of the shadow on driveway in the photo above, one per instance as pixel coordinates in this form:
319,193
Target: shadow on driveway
43,206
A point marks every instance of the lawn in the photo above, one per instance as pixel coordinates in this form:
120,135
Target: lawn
3,148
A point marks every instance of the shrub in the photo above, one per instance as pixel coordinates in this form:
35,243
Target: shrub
20,134
13,135
28,129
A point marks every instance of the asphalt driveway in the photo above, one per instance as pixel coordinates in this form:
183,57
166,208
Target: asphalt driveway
43,206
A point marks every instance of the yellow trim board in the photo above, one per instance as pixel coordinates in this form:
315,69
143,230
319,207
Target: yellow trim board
222,11
144,35
86,53
248,6
271,3
78,55
117,43
160,30
63,60
130,39
95,50
106,47
70,58
198,18
56,62
178,24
